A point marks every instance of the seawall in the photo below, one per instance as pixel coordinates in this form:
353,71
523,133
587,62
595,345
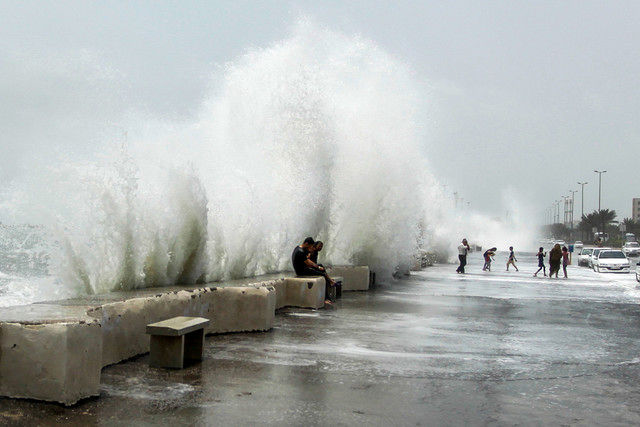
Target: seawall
54,351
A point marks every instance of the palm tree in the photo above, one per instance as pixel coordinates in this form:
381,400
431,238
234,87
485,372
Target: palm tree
631,226
597,219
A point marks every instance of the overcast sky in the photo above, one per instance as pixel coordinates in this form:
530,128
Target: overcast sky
531,96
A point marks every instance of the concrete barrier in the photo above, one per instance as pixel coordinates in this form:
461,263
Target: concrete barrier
304,292
54,351
58,362
354,278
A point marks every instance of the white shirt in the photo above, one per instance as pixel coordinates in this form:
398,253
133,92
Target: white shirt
462,249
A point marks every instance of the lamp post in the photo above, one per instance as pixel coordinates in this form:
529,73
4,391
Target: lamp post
573,194
600,197
582,184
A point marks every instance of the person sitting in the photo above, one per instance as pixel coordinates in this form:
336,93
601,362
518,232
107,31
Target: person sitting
313,256
304,266
314,251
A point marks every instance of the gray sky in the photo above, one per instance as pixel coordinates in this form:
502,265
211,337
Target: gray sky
527,95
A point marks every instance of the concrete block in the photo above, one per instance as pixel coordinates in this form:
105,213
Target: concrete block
242,309
354,278
305,292
280,288
58,362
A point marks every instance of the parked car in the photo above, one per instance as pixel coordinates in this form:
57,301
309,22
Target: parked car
583,256
593,257
612,260
631,249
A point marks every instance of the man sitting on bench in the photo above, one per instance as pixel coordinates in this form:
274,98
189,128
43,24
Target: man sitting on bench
314,251
304,266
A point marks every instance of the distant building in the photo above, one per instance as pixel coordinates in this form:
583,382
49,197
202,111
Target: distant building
635,210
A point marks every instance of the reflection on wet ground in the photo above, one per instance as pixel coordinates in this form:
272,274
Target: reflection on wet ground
436,348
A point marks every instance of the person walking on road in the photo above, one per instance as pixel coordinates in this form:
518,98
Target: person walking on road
565,260
463,249
512,259
541,266
555,256
488,256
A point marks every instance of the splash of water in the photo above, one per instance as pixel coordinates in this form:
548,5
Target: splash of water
318,135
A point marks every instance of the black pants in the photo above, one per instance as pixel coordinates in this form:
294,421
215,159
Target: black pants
463,262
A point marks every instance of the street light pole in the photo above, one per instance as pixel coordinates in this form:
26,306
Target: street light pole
582,184
573,194
565,207
600,196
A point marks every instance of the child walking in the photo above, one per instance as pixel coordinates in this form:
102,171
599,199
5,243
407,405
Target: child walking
512,259
565,260
541,266
488,255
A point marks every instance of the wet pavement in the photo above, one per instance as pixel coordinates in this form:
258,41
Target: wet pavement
499,348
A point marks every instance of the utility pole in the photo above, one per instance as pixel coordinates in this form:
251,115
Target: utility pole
600,197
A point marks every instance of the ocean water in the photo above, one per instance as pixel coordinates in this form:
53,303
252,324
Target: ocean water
321,134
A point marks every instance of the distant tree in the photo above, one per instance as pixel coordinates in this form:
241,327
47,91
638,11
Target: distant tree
597,219
557,231
631,226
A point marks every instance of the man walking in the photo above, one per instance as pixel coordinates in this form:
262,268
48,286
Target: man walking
463,249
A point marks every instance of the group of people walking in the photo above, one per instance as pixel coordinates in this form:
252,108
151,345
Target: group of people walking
557,256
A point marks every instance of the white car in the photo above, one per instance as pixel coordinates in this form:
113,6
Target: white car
583,256
612,260
631,249
593,257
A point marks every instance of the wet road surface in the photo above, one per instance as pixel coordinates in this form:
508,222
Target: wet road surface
499,348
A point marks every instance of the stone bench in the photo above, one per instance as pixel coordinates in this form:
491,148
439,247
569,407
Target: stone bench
304,292
176,340
355,278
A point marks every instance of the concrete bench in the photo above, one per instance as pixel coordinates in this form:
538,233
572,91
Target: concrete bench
305,292
176,340
355,278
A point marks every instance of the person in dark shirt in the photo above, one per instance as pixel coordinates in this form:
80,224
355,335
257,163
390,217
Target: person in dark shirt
512,259
315,250
304,266
541,266
300,256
